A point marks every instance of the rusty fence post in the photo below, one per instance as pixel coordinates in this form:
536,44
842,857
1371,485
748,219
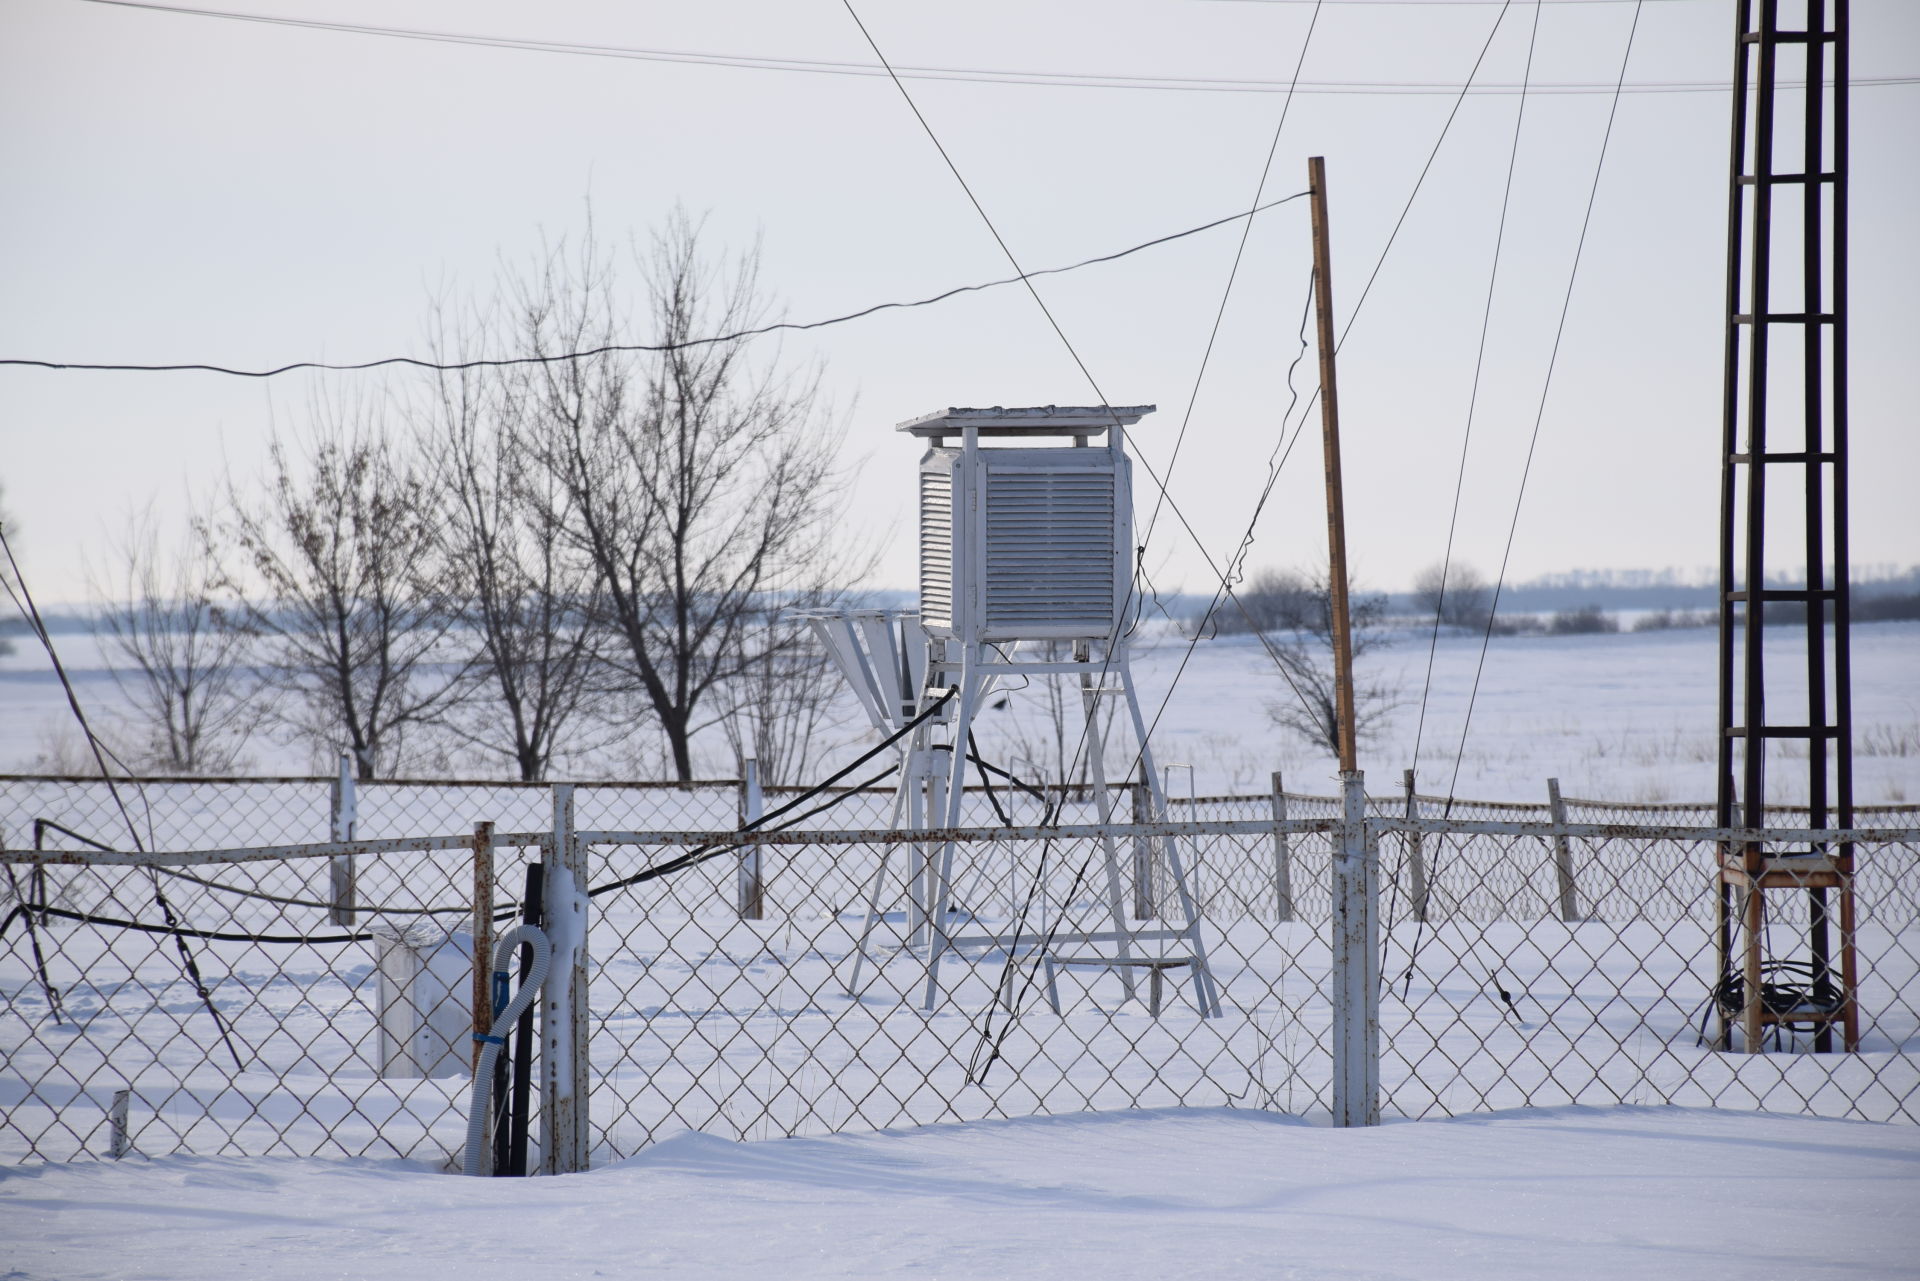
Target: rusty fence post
1562,855
1144,905
343,813
482,937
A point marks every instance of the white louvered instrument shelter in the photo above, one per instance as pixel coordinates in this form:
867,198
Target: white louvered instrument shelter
1025,540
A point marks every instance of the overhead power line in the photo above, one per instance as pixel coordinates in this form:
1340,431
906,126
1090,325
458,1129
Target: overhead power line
735,336
974,75
1455,4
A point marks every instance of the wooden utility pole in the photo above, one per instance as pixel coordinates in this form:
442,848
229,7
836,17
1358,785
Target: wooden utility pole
1330,432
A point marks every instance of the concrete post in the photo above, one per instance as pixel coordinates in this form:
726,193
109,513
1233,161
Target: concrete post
1355,985
564,1129
750,888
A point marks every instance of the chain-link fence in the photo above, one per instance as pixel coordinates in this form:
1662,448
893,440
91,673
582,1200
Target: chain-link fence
224,1003
216,1006
1551,968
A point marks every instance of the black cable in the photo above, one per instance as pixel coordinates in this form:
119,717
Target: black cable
1020,783
986,780
1566,304
178,931
47,988
971,75
42,825
610,348
1473,395
1233,274
23,599
1546,386
701,855
705,852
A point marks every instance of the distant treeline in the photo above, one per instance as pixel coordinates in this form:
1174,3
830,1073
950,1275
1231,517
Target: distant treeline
1583,601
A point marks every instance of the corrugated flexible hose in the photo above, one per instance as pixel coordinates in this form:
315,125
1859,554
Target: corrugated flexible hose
506,1013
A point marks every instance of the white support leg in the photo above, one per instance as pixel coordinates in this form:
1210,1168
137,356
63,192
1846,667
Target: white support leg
907,782
954,796
1206,993
1103,806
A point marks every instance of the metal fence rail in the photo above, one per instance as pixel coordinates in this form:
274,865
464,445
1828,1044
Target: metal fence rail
1528,962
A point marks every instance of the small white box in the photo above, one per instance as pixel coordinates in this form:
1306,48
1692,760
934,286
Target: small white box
425,1000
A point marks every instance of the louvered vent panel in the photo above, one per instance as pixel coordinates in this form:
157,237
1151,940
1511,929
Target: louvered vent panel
1050,551
936,548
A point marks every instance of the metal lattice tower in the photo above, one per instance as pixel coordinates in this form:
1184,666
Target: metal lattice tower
1784,497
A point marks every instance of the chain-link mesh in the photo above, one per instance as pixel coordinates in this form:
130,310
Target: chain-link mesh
1603,945
1586,970
286,1033
794,1025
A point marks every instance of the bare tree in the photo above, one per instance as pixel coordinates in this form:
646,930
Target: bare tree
10,619
700,485
1457,595
335,569
182,666
1294,614
777,708
526,599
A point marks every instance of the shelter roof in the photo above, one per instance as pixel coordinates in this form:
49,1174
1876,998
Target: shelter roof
1034,420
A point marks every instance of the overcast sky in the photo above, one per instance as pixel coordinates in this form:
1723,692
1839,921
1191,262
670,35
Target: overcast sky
184,188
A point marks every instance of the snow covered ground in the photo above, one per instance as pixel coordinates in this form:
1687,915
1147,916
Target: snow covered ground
1564,1193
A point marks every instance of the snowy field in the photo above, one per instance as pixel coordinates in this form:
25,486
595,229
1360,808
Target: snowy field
707,1030
1626,717
1565,1193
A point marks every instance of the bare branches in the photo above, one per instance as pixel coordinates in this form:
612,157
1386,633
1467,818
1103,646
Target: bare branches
182,666
525,598
700,486
777,708
1295,612
335,570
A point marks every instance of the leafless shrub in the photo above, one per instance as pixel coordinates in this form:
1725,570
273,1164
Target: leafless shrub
1587,620
777,709
1661,620
1458,596
1294,613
